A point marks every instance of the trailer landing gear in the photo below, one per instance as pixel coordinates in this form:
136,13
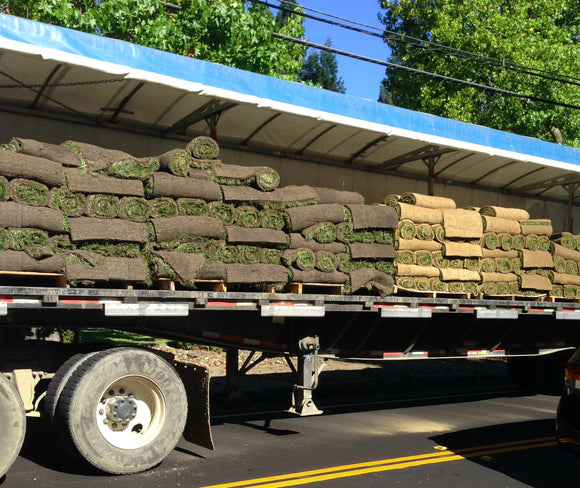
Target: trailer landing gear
307,378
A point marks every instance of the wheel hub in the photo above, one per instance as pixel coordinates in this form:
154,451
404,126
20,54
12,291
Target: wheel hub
121,409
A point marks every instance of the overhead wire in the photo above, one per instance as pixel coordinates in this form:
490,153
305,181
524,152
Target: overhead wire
423,44
422,72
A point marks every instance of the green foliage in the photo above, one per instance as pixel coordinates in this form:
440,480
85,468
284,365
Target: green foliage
321,69
540,34
229,32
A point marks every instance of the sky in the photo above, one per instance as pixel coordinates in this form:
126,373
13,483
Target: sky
362,79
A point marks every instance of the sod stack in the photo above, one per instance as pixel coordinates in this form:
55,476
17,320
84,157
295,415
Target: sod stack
438,245
100,215
565,249
520,248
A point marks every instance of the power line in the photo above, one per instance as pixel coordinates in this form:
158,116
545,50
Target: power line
425,73
424,44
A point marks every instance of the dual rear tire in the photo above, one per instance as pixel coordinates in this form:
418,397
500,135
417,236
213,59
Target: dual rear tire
12,424
121,410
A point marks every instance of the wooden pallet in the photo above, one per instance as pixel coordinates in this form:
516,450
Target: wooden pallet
398,290
29,278
203,285
315,288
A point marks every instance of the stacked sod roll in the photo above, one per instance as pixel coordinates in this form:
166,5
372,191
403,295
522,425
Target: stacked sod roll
438,245
519,249
98,215
565,249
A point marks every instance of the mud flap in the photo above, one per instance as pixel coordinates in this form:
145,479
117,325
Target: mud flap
196,381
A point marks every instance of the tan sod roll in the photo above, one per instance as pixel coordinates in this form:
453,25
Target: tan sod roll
415,270
419,215
541,227
535,282
537,259
500,225
452,274
464,224
505,213
498,277
417,245
462,250
427,201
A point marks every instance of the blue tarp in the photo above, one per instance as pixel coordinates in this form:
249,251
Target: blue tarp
123,53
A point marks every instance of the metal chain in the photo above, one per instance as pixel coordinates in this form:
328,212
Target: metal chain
52,85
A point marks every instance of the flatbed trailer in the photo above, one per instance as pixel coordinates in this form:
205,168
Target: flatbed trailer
122,410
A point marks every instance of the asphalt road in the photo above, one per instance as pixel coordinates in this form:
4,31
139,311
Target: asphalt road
449,438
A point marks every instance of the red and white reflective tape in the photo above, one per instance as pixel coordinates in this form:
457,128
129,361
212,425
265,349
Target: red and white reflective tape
215,336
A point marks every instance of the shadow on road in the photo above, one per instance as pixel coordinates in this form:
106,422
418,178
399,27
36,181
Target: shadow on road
539,463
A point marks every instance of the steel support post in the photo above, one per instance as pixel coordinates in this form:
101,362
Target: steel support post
306,379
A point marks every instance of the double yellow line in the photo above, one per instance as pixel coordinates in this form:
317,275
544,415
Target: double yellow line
345,471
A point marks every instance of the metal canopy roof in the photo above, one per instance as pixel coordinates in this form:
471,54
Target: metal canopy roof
48,70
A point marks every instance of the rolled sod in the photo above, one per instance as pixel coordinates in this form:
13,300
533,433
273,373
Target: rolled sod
162,207
53,152
203,147
13,214
326,262
134,208
167,229
373,217
78,182
168,185
407,229
247,216
102,206
191,206
306,216
138,169
330,195
221,211
68,202
29,192
176,161
13,165
272,218
115,230
323,233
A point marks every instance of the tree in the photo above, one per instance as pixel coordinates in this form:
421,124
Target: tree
524,46
230,32
321,69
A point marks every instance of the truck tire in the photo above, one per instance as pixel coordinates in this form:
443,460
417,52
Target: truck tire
12,424
122,410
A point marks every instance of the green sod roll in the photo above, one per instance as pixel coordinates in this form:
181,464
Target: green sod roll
248,254
514,288
191,206
571,267
456,263
203,147
456,287
126,250
305,259
345,263
489,288
470,287
137,169
570,291
516,264
505,242
267,179
473,264
323,233
406,282
532,242
518,242
503,265
4,188
272,218
383,236
326,262
194,246
23,239
3,239
423,258
222,211
134,208
407,229
228,254
247,216
345,233
364,264
365,236
425,232
559,264
177,162
29,192
163,207
557,291
440,261
405,257
490,241
503,288
384,266
488,265
271,256
544,243
102,206
568,240
68,202
422,283
437,285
